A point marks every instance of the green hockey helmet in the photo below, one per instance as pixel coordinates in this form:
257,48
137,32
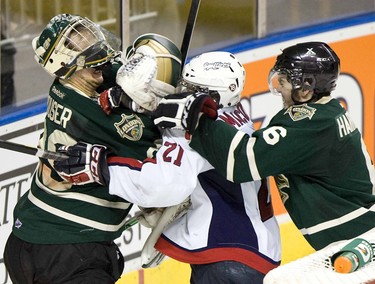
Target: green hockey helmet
70,42
167,55
310,66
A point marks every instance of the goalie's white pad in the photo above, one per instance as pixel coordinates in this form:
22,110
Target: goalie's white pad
150,257
137,77
150,216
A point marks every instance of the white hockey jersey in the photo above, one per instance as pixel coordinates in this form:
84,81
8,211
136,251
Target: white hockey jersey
226,221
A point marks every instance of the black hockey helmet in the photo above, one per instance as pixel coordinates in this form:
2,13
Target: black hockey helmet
309,65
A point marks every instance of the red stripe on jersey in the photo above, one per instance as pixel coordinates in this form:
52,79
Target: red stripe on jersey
128,162
122,161
211,255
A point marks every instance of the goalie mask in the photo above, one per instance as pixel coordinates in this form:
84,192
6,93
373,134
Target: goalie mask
151,70
70,43
308,66
220,73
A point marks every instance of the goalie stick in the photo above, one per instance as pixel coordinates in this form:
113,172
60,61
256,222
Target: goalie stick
190,24
32,151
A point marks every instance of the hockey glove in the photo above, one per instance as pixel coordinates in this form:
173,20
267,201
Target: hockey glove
86,163
183,111
110,99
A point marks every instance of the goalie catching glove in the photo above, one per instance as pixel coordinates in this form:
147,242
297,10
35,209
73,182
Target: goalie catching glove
86,163
183,111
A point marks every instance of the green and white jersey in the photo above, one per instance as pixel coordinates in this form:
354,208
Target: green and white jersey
317,156
55,212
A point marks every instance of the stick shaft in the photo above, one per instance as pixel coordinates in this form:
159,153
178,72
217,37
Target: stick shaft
190,24
32,151
132,221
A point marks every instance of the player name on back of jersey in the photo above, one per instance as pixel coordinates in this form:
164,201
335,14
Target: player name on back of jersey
58,113
345,125
236,118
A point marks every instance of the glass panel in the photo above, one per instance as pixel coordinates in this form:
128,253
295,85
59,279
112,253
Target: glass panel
288,14
21,21
220,23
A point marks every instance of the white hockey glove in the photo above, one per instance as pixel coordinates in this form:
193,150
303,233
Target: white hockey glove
86,163
182,111
137,77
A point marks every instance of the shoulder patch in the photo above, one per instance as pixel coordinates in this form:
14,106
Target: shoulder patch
299,112
130,127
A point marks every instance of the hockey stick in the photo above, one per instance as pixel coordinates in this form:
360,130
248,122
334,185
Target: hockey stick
190,24
132,221
32,151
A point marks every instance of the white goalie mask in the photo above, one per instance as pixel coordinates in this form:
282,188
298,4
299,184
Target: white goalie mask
219,72
151,70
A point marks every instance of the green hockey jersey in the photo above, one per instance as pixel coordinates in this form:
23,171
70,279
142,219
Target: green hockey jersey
316,154
55,212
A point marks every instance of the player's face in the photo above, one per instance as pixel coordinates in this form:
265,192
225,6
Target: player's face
280,85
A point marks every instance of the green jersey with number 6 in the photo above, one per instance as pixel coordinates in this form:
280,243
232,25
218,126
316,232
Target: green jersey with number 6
56,212
324,174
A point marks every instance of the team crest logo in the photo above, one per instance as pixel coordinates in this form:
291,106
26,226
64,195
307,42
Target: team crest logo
300,112
130,127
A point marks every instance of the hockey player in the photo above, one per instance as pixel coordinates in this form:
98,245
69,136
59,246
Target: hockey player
64,233
229,233
313,149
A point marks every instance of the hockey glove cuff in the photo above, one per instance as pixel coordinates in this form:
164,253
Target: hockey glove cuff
110,99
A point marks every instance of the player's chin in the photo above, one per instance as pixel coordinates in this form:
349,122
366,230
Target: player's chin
97,73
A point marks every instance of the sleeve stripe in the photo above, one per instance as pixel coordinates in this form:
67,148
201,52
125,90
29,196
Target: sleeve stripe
230,161
251,159
125,162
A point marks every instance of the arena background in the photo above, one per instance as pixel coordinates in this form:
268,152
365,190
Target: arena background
352,37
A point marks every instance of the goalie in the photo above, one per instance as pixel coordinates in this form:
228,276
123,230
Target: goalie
64,233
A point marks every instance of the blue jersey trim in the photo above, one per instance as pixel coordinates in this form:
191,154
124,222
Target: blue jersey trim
15,113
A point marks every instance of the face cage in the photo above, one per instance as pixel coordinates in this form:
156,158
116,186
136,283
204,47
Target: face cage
96,50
